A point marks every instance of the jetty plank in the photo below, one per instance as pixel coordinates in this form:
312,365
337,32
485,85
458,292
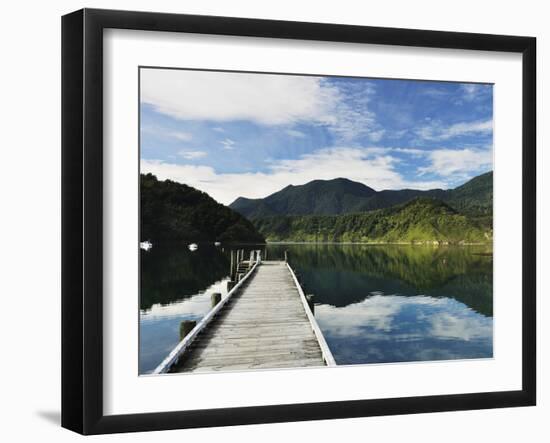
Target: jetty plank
265,325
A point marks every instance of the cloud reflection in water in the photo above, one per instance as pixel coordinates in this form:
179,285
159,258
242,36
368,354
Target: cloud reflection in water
396,328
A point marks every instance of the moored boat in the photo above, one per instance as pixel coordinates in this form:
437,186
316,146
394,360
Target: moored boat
145,245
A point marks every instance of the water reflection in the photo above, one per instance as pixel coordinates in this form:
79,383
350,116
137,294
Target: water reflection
171,273
344,274
373,303
160,324
176,285
397,303
394,328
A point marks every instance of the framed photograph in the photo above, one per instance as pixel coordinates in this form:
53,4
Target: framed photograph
269,221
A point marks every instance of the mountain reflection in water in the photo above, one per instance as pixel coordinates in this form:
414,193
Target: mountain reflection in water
374,303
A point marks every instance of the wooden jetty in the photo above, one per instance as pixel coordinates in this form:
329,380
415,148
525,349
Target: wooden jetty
264,322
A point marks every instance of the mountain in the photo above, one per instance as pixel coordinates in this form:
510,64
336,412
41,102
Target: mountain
338,196
173,211
342,196
421,220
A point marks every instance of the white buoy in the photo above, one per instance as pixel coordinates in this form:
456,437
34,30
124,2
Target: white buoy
145,245
193,247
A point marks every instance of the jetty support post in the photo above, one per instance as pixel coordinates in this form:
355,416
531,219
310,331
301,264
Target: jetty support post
215,298
186,326
251,259
232,266
310,302
286,256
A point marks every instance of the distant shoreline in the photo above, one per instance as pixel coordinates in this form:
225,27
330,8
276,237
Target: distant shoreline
429,243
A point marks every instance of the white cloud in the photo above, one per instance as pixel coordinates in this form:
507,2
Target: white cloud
473,91
192,155
295,133
396,134
159,131
457,162
412,151
181,136
228,144
264,99
371,166
225,96
377,135
436,131
218,129
467,92
435,92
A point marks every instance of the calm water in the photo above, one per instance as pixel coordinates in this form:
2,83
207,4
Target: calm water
374,304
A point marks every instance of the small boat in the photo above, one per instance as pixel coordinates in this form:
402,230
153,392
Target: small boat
217,243
145,245
193,247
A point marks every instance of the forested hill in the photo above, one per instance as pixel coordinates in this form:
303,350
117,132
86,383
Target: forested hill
342,196
174,211
475,197
420,220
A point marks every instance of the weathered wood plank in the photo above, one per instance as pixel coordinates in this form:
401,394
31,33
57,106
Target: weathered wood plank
265,325
270,365
289,360
263,357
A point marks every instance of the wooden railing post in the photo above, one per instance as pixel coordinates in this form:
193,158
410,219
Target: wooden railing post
286,256
215,298
186,326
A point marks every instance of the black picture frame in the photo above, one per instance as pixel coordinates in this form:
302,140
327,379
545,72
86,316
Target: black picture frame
82,218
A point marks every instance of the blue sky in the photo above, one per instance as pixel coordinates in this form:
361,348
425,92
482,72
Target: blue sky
240,134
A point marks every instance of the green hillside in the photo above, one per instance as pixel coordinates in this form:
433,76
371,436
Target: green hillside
474,197
421,220
173,211
342,196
